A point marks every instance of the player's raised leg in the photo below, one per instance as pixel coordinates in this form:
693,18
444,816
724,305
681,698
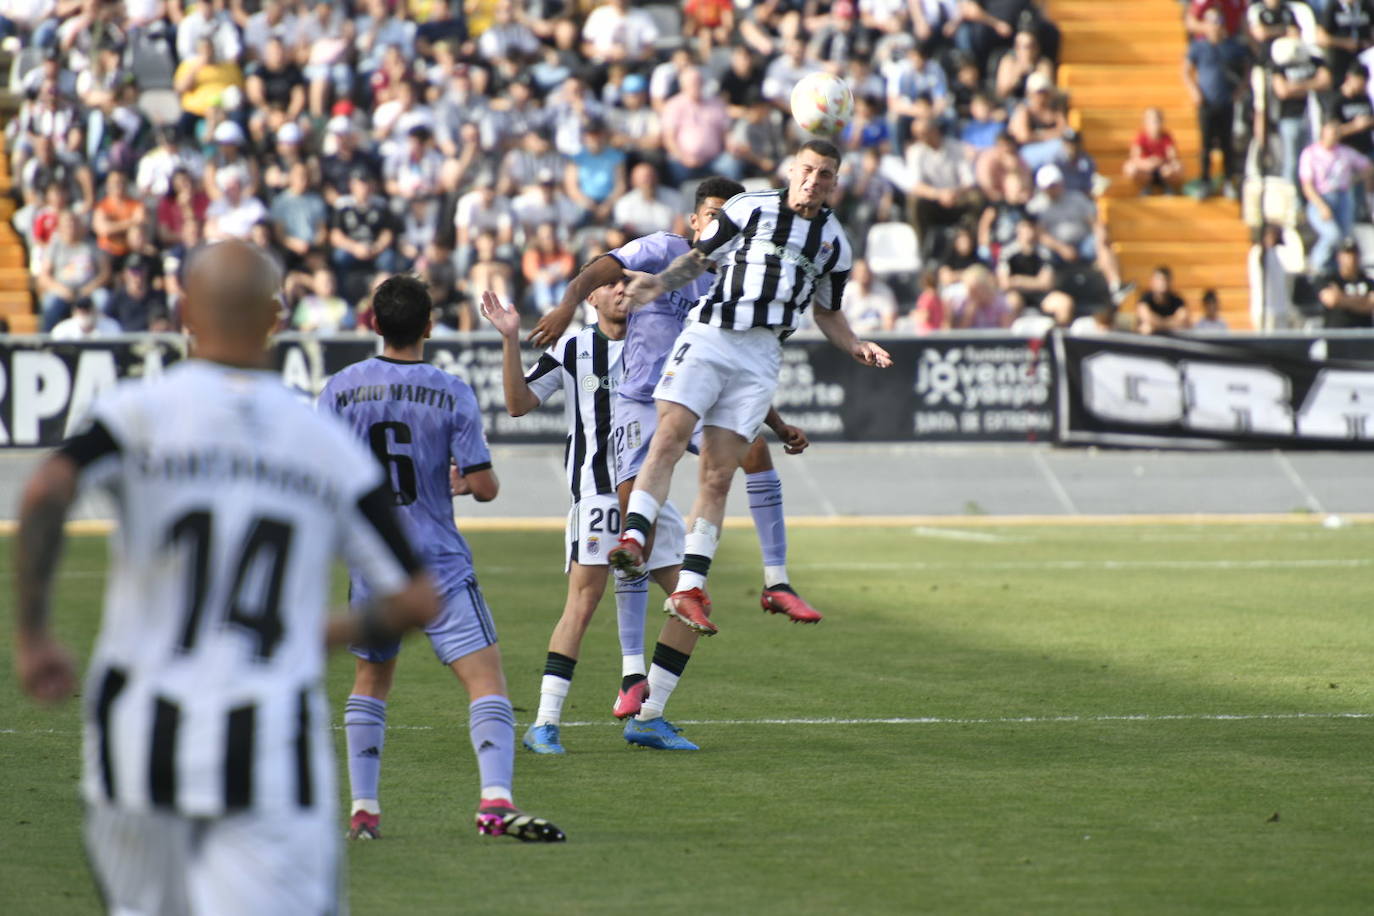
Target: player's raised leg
765,505
586,585
365,736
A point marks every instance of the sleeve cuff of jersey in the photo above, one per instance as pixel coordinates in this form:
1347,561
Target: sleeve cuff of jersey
90,446
474,468
615,257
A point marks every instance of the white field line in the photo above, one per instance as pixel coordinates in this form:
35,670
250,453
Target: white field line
918,566
900,720
955,534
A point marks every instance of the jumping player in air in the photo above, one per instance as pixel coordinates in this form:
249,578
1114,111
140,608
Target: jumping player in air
775,253
418,420
586,367
652,330
209,776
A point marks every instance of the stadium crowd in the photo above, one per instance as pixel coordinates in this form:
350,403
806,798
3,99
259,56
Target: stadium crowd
500,143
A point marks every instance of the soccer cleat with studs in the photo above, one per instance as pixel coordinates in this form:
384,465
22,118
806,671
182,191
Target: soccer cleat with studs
629,700
543,739
498,817
364,826
659,734
781,599
693,608
628,557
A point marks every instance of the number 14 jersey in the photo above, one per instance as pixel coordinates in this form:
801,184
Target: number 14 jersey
415,417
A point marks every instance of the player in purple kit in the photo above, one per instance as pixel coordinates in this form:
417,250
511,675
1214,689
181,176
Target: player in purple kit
651,332
418,419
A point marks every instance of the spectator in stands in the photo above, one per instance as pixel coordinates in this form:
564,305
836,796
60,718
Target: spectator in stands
274,20
488,271
1073,229
694,130
962,254
412,171
1215,75
301,218
545,203
324,34
976,303
1297,76
547,266
1160,309
868,302
1347,294
481,210
1353,112
1079,168
206,82
995,166
208,20
930,313
1271,20
1329,173
647,207
1153,162
228,157
158,165
1039,123
1014,69
73,268
595,178
983,126
985,26
757,140
36,221
710,22
349,156
915,82
870,128
49,167
1344,29
786,71
1025,268
635,127
942,184
86,321
276,89
999,219
322,310
132,302
867,196
1211,319
143,254
614,33
361,232
838,37
114,214
1230,13
235,212
275,166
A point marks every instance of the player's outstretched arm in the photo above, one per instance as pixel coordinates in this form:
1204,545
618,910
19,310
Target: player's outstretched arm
604,271
46,670
520,400
835,326
793,438
645,288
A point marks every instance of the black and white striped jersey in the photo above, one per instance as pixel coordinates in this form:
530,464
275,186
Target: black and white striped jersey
233,500
587,367
771,263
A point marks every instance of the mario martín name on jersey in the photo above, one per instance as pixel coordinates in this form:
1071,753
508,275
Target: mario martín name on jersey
396,391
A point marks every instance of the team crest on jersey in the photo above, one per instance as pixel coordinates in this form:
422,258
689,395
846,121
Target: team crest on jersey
826,248
667,378
593,545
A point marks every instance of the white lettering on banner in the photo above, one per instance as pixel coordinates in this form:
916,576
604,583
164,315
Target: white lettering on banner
1227,398
95,372
295,371
798,388
973,377
39,386
1236,399
1137,389
1340,405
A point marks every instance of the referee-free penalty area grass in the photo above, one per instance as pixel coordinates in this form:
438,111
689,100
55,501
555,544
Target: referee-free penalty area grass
1171,719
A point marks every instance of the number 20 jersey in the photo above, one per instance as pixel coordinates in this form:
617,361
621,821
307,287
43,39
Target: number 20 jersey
233,500
414,417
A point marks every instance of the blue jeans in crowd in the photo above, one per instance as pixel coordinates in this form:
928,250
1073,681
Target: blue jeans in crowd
1293,135
724,164
57,308
1330,232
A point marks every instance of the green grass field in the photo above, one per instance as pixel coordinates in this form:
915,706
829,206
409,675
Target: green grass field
1091,719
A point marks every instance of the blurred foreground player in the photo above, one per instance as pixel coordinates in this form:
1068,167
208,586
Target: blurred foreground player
586,367
418,420
209,772
775,253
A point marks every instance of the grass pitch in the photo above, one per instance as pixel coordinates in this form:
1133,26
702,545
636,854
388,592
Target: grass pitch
1171,719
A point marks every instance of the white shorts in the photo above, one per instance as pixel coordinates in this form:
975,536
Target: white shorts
266,863
594,528
727,378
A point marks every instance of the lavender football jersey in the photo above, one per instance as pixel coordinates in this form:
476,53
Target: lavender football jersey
414,417
652,329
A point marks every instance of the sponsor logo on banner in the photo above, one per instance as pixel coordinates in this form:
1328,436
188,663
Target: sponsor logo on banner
983,390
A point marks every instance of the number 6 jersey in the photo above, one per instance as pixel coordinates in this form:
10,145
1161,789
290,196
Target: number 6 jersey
415,417
233,500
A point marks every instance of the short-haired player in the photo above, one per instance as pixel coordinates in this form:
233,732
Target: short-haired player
419,421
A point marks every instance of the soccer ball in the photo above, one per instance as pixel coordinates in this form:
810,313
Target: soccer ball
822,104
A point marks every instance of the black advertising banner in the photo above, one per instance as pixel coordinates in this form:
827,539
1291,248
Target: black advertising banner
979,388
1218,392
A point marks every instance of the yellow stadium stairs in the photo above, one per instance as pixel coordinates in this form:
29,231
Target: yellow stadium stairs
16,298
1119,57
